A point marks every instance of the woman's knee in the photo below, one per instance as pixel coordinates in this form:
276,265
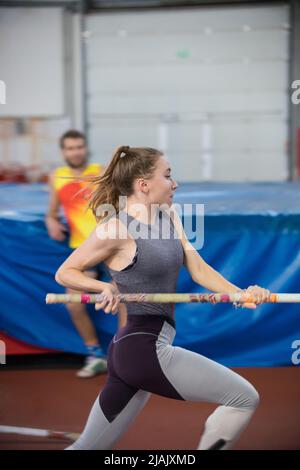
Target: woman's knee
250,397
254,398
245,396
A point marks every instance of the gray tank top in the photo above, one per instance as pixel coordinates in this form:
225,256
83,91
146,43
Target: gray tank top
155,269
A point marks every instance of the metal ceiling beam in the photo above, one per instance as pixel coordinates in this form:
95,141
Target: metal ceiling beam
39,3
111,4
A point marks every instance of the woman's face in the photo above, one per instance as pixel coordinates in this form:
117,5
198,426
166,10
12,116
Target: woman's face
161,185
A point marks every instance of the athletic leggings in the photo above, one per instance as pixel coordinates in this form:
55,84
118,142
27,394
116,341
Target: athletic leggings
141,361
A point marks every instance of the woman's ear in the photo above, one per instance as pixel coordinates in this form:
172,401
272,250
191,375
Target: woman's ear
143,185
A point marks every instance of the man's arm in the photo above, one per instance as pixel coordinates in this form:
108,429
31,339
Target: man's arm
56,230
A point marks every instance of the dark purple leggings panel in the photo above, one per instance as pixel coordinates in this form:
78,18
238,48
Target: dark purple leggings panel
133,365
114,397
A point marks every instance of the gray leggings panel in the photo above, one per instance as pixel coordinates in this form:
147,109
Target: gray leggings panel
99,433
197,378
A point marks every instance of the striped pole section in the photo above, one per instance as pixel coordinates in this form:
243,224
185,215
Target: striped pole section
238,297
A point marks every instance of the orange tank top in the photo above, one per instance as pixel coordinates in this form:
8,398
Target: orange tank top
80,219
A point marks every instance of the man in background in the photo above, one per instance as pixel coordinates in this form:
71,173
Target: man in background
68,194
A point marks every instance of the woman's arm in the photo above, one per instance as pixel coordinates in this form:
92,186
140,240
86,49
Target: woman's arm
102,243
205,275
202,273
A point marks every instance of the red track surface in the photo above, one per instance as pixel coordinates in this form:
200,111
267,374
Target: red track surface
56,399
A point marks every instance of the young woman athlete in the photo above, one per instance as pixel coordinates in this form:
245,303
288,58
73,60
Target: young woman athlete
141,258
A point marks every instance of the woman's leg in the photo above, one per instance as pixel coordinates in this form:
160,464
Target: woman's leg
198,378
145,362
112,413
148,361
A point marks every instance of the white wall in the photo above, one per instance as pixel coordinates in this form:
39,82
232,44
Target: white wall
32,61
36,63
207,85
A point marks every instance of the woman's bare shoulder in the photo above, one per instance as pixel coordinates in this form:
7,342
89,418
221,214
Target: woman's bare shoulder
112,229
